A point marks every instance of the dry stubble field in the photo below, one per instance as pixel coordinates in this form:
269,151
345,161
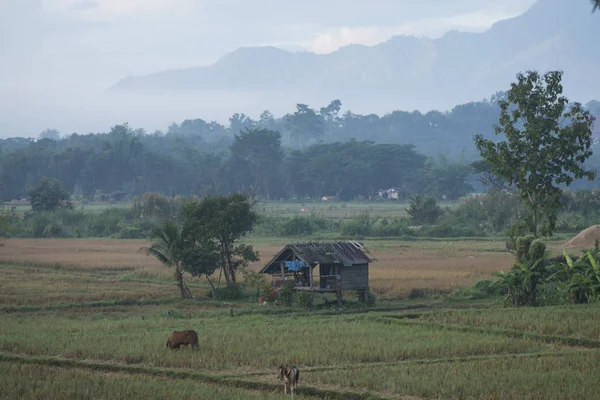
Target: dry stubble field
436,266
87,319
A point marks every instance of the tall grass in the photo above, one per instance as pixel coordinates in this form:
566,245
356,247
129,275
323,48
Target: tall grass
46,286
28,381
575,321
114,222
570,376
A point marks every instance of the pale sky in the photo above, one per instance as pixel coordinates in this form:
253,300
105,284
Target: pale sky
56,49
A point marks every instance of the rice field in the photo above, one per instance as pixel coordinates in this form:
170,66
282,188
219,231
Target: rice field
329,209
568,376
244,342
436,267
341,210
580,321
27,381
90,318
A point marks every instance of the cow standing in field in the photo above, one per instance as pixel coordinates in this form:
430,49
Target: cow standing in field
183,338
289,375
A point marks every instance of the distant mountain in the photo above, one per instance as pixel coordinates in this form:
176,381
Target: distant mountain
428,73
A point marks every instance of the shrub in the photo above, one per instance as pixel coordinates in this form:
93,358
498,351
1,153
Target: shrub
48,195
424,210
258,281
480,290
574,221
295,226
136,229
304,300
299,225
371,298
108,222
579,280
360,226
43,224
449,229
550,294
155,205
233,292
493,211
486,287
391,227
5,223
286,295
528,271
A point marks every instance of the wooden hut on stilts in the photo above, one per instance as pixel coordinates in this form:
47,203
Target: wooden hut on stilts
343,265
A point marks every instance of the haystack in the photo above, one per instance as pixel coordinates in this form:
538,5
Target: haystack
586,238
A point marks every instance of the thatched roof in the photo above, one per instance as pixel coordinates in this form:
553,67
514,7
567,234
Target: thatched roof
347,253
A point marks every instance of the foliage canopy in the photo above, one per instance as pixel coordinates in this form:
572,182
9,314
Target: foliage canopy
211,231
48,195
547,142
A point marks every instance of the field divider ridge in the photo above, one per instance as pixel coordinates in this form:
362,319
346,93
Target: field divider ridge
423,361
89,304
517,334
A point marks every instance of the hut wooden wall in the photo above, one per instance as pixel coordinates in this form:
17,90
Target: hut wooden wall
355,277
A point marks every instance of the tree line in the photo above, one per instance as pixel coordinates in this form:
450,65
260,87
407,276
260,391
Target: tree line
122,163
309,152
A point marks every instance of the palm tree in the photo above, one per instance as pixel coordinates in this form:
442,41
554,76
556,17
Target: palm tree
164,245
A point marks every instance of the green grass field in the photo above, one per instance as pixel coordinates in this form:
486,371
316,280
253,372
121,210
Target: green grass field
340,210
329,209
97,329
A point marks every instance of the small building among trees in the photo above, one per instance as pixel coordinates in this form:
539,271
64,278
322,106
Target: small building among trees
342,266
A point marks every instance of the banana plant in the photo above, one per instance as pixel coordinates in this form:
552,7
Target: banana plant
521,282
580,279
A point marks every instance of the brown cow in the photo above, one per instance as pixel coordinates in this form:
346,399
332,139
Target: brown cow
183,338
290,375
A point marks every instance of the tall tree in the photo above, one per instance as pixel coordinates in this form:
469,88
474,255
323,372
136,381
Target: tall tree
114,166
446,180
51,134
48,195
330,113
67,165
215,225
304,124
547,142
486,177
208,131
267,121
239,122
257,155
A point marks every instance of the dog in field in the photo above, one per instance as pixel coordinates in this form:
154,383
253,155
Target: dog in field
183,338
290,376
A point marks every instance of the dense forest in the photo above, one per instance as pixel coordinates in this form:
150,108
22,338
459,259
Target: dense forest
307,153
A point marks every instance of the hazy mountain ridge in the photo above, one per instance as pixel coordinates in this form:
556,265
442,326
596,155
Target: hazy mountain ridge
553,34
